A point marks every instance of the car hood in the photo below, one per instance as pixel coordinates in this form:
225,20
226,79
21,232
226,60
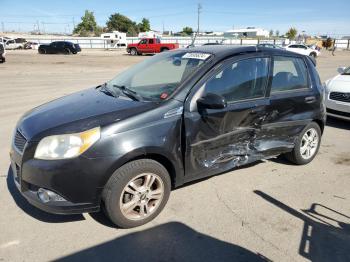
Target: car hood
340,83
78,112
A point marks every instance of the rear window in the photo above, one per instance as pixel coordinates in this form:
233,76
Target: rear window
289,73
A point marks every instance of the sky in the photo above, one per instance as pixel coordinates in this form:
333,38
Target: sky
313,17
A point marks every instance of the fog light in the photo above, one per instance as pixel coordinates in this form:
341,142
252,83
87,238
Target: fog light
47,195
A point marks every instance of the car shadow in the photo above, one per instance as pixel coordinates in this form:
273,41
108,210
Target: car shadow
34,212
338,123
172,241
325,235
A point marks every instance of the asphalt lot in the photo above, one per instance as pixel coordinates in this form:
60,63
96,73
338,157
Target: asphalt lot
269,211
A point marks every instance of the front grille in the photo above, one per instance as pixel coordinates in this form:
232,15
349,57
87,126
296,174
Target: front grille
336,112
20,141
339,96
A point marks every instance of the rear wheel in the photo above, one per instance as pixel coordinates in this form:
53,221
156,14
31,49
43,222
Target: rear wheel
136,193
307,145
313,54
164,49
41,51
133,51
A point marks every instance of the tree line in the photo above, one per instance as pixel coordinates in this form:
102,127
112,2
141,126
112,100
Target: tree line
121,23
116,22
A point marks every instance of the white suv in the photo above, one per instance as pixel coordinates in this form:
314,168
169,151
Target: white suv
303,49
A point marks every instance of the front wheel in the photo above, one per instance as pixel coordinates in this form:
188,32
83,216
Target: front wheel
133,51
306,146
136,193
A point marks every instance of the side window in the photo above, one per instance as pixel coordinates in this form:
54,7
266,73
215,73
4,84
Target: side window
143,41
245,79
293,46
289,73
158,41
150,41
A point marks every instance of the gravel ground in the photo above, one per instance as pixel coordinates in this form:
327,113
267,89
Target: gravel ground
270,210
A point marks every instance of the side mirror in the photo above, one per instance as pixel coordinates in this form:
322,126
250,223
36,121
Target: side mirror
341,70
211,101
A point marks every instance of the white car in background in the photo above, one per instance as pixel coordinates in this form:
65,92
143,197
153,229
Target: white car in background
338,94
303,50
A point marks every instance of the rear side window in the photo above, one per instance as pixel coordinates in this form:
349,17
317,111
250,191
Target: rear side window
242,80
150,41
289,73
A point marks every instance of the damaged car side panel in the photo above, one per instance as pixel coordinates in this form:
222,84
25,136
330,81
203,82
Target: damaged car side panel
248,130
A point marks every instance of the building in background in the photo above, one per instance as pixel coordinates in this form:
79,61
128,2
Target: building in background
249,32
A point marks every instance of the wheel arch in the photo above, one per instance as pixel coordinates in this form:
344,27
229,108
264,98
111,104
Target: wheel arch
172,166
320,123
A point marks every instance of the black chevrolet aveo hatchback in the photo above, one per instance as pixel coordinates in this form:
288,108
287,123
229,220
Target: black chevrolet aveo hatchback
173,118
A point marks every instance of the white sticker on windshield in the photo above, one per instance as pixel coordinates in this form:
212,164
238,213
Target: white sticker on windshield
200,56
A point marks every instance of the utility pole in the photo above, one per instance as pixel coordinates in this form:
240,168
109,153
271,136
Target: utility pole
43,27
198,13
163,27
199,8
73,23
37,22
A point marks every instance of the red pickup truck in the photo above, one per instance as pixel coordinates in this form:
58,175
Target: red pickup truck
150,46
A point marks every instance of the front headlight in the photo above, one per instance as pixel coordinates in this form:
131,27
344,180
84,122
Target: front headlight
66,146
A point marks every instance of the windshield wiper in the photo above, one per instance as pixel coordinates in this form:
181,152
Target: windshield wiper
104,89
128,92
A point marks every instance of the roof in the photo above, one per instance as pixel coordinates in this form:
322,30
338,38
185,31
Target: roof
221,51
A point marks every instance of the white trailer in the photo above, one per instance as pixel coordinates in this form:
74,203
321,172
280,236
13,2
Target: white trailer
115,39
150,34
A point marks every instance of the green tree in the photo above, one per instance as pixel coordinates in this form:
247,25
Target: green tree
292,33
271,33
122,23
187,30
87,26
277,33
144,26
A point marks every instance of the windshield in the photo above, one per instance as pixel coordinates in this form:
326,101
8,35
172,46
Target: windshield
346,71
156,78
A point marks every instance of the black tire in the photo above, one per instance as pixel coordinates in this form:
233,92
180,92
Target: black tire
133,51
295,156
114,188
313,54
41,51
67,51
164,49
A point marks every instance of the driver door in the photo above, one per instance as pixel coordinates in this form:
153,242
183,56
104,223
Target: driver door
143,46
220,139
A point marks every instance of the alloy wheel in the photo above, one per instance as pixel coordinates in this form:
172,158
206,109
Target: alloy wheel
141,196
309,144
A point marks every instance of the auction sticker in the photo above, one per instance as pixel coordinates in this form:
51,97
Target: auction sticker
200,56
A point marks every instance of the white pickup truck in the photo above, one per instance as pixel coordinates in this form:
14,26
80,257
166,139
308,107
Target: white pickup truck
13,44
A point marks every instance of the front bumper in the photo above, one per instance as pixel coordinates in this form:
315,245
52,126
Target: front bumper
78,181
338,109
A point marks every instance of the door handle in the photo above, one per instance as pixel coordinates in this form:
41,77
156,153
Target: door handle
310,99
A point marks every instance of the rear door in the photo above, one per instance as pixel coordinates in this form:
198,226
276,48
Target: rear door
220,139
152,46
293,102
